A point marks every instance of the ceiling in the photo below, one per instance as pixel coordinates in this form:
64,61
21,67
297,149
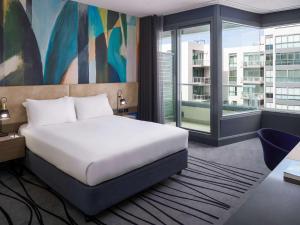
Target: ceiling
163,7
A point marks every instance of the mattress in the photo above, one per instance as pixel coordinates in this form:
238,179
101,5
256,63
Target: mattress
96,150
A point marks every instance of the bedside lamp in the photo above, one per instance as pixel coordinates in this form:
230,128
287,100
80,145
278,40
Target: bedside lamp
121,101
4,114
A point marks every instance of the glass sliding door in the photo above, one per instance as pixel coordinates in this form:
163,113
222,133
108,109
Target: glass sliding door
167,71
194,84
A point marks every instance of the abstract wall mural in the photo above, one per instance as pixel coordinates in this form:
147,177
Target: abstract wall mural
65,42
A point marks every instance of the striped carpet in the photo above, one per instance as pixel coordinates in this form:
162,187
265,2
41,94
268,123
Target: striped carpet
204,192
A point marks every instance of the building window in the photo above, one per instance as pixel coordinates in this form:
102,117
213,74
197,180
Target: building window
288,93
291,58
269,43
269,59
269,105
198,57
269,76
232,60
294,107
288,41
281,107
232,91
288,76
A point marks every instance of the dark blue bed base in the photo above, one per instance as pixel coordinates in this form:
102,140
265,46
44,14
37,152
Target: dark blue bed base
93,199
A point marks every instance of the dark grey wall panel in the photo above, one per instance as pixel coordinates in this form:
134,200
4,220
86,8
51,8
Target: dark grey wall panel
244,123
281,18
286,122
240,16
188,18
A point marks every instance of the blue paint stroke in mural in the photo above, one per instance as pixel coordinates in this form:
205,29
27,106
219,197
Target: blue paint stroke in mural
115,59
95,23
44,14
63,44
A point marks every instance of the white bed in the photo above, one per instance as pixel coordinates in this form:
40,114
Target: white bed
96,150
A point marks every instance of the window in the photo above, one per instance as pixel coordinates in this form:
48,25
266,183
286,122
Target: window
269,105
292,58
269,76
269,43
243,68
288,41
288,76
194,78
269,92
281,107
232,60
233,91
294,107
288,94
269,59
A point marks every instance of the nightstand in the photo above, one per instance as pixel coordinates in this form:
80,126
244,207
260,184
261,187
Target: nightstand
130,112
12,147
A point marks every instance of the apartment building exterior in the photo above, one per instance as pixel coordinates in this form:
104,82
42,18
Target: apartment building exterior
282,54
195,71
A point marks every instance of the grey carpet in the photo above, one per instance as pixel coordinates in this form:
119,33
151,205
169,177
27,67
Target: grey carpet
216,182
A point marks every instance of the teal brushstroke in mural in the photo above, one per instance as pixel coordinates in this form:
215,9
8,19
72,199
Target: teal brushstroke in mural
62,48
95,23
115,59
44,15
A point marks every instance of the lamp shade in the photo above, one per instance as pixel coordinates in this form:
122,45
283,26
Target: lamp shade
123,101
4,113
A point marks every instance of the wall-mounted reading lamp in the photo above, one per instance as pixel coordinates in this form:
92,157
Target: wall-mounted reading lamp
121,101
4,114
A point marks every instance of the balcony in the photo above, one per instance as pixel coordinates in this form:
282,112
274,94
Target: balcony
201,97
254,64
201,80
253,80
201,63
254,96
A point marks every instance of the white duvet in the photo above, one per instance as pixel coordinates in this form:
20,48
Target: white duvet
96,150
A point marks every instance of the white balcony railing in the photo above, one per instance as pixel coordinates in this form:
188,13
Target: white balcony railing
254,64
201,80
200,62
201,97
253,80
256,96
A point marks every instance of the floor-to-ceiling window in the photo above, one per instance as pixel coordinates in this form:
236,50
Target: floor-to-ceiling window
185,76
194,78
243,68
263,66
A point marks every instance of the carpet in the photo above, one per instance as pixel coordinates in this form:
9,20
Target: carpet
216,182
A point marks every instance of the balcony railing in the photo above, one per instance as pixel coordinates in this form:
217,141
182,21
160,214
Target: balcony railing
201,97
253,80
254,64
256,96
201,80
200,62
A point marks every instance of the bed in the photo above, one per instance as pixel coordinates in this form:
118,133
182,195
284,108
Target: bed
99,162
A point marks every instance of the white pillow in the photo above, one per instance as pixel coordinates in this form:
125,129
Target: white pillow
92,106
46,112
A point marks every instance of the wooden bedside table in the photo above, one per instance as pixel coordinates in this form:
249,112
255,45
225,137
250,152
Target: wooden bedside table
12,147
